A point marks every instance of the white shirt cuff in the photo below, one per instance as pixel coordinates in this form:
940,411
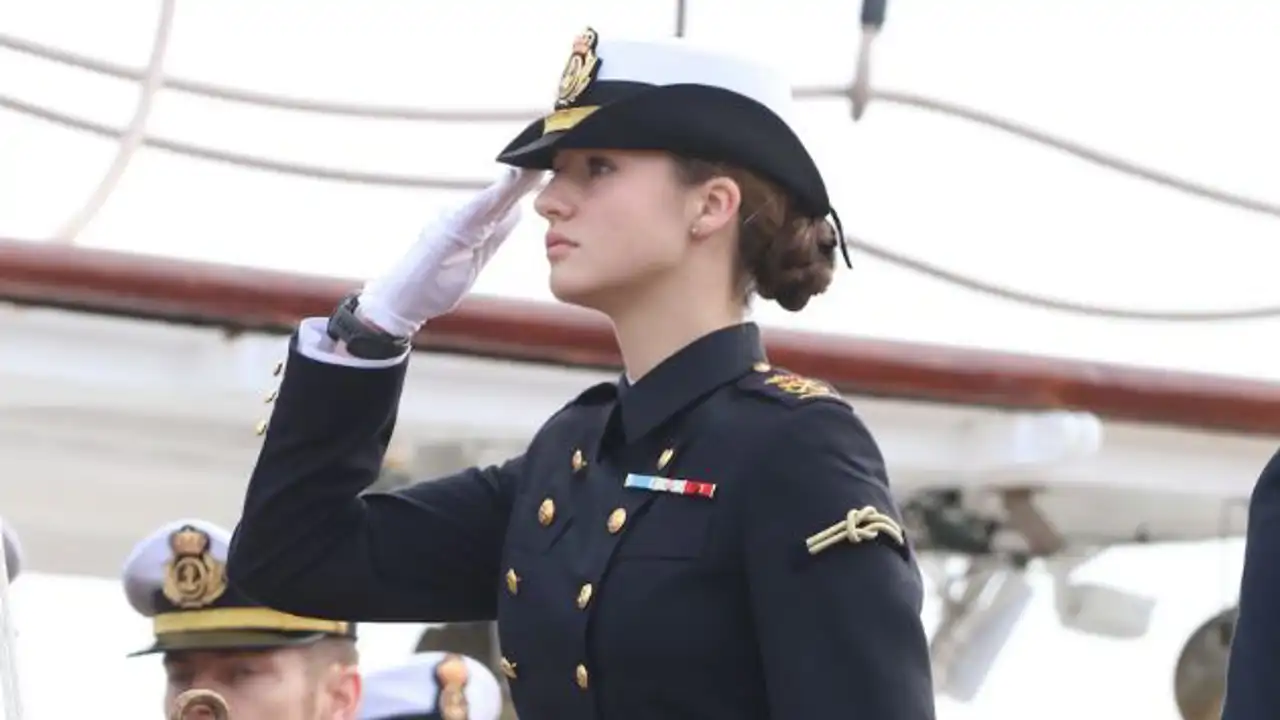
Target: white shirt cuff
315,344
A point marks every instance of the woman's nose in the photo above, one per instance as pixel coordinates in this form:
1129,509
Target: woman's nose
551,203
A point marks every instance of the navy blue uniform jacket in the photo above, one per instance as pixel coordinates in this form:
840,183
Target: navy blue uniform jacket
1253,675
613,602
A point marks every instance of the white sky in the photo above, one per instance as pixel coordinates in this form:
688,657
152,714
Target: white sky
1180,84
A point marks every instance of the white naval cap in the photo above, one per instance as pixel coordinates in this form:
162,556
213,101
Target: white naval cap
12,550
177,577
678,96
432,686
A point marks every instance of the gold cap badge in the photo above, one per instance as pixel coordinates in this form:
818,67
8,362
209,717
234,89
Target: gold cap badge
193,578
580,70
451,677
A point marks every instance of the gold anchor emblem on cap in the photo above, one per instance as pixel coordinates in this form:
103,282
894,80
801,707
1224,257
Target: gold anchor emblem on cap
451,677
580,69
193,577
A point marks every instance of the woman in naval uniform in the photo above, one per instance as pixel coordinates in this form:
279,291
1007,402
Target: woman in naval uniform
709,537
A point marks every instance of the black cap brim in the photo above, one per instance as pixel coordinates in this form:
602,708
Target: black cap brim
698,121
229,640
531,149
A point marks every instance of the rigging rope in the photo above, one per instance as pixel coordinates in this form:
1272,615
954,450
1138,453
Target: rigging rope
878,252
240,159
134,134
406,113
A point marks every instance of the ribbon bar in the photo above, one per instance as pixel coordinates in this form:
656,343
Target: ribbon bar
677,486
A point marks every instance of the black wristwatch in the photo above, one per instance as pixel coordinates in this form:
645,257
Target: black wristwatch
362,339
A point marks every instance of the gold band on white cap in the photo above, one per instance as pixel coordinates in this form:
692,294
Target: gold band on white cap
243,619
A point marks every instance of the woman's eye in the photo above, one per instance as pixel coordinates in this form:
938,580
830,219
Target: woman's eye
597,166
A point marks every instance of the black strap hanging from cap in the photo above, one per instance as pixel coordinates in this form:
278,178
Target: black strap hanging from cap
841,239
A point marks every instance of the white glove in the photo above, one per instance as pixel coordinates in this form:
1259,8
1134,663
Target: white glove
434,275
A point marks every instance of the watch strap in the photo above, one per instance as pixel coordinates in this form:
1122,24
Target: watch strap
361,339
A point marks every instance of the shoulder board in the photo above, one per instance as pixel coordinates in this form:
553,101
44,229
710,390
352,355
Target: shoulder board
598,394
594,396
788,388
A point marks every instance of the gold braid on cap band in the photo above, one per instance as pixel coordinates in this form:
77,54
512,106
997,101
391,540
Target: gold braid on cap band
566,119
244,619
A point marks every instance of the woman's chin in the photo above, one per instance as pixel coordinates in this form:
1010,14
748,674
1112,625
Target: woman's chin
571,288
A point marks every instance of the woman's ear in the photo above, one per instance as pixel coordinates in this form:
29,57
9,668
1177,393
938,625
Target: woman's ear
719,201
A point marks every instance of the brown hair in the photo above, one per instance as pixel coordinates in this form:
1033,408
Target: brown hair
327,652
783,254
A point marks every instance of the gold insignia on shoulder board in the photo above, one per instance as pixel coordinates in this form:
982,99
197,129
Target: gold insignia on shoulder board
800,386
193,577
451,677
860,525
580,70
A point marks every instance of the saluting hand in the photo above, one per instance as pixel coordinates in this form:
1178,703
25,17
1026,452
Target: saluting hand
439,269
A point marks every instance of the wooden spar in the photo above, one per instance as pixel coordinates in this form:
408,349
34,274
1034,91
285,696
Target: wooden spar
101,281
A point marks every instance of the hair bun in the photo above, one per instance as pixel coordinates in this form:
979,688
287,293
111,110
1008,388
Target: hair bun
798,264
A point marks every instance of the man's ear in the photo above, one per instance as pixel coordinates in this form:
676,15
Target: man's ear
345,688
719,201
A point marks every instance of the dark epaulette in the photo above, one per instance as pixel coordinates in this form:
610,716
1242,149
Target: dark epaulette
598,394
594,396
786,387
